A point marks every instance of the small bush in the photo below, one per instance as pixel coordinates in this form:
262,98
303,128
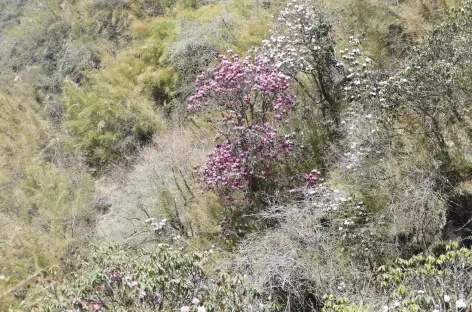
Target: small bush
298,261
425,282
109,125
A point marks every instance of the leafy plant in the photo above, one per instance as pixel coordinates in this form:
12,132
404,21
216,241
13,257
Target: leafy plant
139,280
426,282
430,94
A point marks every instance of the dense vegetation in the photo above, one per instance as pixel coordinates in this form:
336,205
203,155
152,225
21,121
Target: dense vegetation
235,155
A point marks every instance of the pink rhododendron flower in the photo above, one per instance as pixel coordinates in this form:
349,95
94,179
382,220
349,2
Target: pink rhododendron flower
252,95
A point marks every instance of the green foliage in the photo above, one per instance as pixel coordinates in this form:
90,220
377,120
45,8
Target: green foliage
426,282
109,117
115,278
11,12
137,280
372,19
387,28
43,207
360,229
115,110
421,283
21,42
239,25
430,95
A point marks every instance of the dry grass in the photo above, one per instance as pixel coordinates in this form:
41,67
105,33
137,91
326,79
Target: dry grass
297,262
161,185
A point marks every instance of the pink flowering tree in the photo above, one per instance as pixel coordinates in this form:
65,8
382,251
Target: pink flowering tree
251,98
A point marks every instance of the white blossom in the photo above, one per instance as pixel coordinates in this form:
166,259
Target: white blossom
460,304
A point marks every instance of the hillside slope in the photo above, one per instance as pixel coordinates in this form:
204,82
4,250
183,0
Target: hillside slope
235,155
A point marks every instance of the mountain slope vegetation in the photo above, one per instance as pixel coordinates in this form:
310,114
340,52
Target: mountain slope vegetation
235,155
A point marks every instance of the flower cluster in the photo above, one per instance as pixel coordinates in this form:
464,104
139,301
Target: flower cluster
248,90
362,83
251,153
253,97
157,226
302,41
312,176
302,46
196,304
86,305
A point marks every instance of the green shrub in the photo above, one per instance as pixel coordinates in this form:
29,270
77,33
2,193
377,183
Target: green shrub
110,118
424,283
115,110
421,283
138,280
333,304
431,94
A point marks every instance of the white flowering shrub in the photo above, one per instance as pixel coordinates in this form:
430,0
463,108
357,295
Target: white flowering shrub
361,233
361,120
430,98
301,44
362,81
